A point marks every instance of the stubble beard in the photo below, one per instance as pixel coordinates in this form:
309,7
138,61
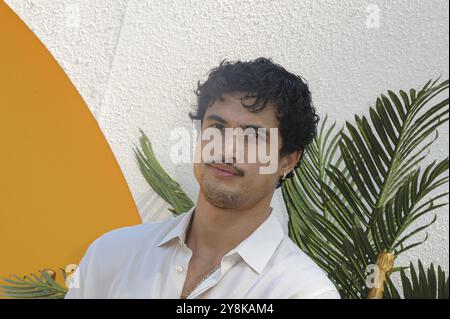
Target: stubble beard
220,196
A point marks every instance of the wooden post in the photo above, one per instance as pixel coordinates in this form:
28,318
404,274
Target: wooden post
385,263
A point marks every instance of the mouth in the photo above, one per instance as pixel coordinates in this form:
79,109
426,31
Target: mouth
222,170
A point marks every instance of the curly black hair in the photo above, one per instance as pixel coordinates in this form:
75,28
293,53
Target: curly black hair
266,82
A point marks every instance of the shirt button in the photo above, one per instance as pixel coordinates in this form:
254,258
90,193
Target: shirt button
179,269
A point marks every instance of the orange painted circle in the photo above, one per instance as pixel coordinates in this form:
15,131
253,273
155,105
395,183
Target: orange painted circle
60,185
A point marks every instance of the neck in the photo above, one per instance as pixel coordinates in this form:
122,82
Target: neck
215,231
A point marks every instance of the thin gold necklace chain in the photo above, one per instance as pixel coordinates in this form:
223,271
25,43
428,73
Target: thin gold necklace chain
184,296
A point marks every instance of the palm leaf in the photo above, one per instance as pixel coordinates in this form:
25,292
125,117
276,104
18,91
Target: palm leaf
33,286
390,224
325,236
344,211
167,188
430,283
306,193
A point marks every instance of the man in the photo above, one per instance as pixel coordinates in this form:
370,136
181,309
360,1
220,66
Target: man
230,244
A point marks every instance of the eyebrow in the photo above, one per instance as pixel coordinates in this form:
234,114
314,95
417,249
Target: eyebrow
214,117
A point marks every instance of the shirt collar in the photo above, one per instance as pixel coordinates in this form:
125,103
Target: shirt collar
180,227
255,250
258,248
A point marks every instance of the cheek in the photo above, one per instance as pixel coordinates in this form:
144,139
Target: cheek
253,171
264,178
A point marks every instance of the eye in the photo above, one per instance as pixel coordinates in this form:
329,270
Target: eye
218,126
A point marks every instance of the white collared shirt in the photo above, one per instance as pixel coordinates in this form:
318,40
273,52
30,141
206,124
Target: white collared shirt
151,261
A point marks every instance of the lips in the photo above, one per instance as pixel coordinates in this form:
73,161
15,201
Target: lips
223,170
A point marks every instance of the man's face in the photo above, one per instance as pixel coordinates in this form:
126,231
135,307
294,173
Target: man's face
246,185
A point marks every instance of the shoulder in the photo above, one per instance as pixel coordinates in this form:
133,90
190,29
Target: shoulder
299,274
108,255
115,244
134,236
114,249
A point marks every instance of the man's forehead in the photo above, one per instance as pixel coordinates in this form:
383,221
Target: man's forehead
232,112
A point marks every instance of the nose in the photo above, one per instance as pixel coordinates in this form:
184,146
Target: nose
230,148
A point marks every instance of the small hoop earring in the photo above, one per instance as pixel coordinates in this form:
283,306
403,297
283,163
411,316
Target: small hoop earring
284,176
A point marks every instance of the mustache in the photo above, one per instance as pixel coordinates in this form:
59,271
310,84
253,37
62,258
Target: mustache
238,171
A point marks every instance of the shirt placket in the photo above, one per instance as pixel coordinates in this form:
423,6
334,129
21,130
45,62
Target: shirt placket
180,266
214,278
205,285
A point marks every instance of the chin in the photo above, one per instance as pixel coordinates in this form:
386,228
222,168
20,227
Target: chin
222,196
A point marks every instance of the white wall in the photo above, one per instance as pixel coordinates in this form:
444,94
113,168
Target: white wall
136,63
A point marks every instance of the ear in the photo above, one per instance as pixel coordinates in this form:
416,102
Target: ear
290,160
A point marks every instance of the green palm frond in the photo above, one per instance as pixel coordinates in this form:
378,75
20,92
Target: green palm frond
430,283
380,156
409,204
334,242
33,286
167,188
357,194
320,153
306,194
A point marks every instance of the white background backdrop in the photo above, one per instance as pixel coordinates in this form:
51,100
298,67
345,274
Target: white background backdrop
135,63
